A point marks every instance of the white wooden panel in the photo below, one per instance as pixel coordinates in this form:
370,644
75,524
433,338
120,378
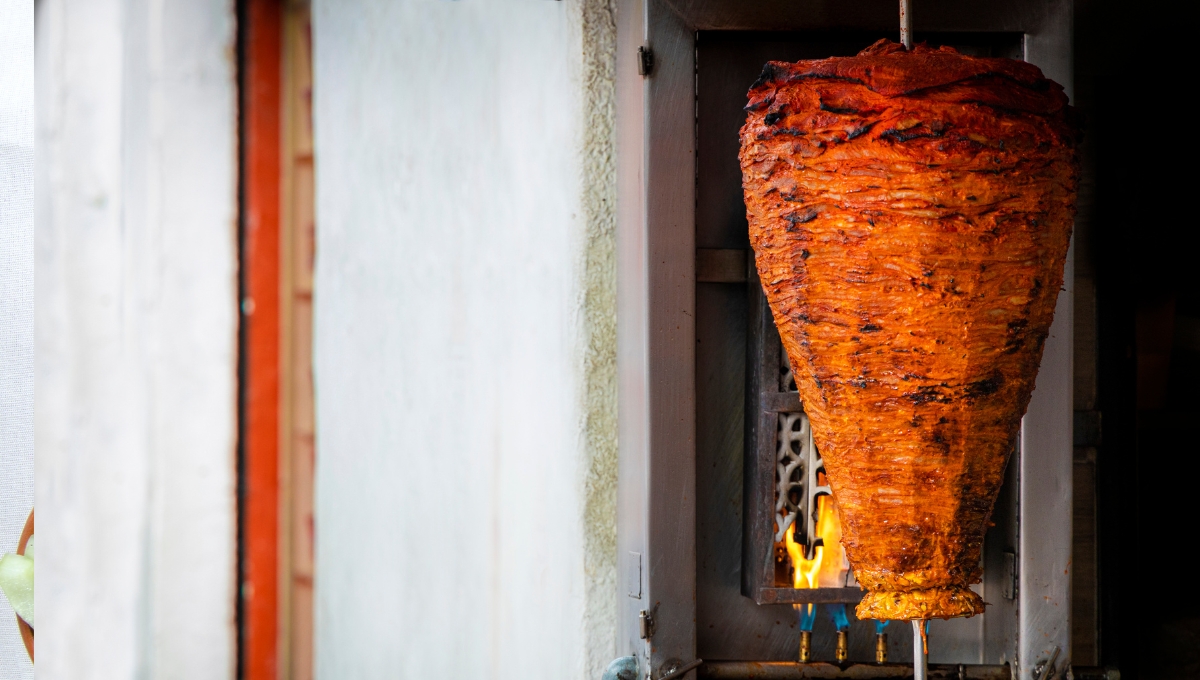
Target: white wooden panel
451,347
16,303
136,336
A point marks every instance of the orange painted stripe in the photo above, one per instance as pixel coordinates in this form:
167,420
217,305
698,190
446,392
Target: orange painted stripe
262,35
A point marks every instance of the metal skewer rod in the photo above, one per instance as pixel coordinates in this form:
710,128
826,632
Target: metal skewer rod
906,23
920,659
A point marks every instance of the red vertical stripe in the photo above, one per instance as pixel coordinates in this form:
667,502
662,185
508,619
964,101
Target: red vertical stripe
261,139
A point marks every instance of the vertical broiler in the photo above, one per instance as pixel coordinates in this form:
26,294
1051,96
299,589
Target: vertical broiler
910,212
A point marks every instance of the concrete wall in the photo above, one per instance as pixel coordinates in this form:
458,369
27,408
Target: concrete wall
16,303
464,339
136,339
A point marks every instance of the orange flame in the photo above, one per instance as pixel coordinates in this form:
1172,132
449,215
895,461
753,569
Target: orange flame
803,570
820,572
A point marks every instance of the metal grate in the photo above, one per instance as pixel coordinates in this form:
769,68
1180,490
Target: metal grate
782,469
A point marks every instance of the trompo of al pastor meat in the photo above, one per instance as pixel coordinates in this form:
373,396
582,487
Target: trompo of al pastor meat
910,212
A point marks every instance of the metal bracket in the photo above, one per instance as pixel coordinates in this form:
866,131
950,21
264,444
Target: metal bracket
1045,670
680,671
634,576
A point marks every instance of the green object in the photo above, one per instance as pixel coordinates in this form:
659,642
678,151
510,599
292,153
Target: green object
624,668
16,580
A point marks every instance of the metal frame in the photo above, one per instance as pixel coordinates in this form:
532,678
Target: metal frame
655,344
656,305
765,403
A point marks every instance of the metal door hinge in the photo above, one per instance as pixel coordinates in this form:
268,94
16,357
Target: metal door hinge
645,625
645,61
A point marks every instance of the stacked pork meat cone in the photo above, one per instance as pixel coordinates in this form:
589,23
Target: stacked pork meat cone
910,213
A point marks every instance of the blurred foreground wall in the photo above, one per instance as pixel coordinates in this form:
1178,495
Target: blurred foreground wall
16,304
464,340
136,335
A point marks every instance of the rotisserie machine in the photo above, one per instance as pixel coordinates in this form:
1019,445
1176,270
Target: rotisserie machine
728,539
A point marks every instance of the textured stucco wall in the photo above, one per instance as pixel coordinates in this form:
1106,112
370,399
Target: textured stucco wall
464,340
600,330
136,328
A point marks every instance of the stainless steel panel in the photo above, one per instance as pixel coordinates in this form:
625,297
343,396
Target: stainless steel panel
1044,554
656,338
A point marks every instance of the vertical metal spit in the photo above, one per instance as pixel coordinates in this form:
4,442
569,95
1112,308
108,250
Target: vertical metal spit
920,659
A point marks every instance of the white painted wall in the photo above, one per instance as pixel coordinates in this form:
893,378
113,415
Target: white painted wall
136,339
16,304
464,339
